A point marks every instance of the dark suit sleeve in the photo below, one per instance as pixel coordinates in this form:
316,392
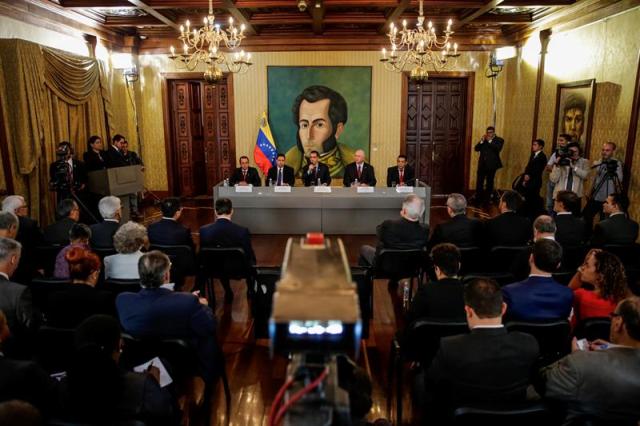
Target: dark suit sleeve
25,311
560,379
373,180
597,240
80,174
289,177
202,321
271,176
347,179
327,175
496,144
255,177
248,249
390,176
234,178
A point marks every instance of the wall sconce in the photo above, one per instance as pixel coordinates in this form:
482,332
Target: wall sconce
131,74
494,67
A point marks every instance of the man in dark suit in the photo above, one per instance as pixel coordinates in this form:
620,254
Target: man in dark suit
67,213
404,233
8,225
113,156
29,235
315,171
224,233
489,162
281,174
168,231
508,228
540,297
601,383
111,211
531,181
245,175
544,228
571,230
460,230
67,175
401,174
617,228
359,170
159,312
442,299
488,365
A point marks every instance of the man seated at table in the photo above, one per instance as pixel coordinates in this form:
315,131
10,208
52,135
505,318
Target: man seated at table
315,172
280,174
402,174
360,171
245,175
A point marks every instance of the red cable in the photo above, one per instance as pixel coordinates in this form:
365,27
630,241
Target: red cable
300,394
276,400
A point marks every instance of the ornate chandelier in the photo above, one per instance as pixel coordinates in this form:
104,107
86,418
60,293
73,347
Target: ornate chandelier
203,46
419,49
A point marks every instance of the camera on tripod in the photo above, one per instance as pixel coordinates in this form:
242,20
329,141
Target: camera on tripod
611,165
60,177
563,155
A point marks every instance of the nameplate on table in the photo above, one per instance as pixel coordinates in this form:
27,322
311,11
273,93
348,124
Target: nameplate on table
323,189
366,189
244,188
404,189
282,188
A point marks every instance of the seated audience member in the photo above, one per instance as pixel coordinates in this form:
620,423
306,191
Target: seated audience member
571,230
280,174
19,413
29,235
315,173
8,225
401,174
404,233
460,230
15,299
508,228
441,299
539,297
159,312
96,389
598,286
67,214
245,175
488,365
617,228
23,380
544,228
79,236
168,231
69,307
359,171
128,241
602,383
111,211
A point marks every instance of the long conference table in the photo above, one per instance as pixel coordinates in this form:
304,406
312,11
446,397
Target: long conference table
342,211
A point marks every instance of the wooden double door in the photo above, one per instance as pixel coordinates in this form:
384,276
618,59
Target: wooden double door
201,148
435,132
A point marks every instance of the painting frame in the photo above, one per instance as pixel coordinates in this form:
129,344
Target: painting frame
564,93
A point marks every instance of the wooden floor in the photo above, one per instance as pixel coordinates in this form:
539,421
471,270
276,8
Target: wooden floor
254,377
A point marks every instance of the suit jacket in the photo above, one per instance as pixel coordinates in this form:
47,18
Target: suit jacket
537,299
114,158
570,230
490,154
394,176
401,234
102,233
560,174
26,381
224,233
368,176
442,299
252,178
507,229
30,236
604,384
321,172
79,172
160,312
133,159
460,230
94,161
168,232
58,232
287,176
486,365
16,303
69,307
535,167
617,229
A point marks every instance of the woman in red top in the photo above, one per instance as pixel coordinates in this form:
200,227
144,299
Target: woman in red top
598,286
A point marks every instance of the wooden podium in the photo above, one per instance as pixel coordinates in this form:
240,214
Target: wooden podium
119,181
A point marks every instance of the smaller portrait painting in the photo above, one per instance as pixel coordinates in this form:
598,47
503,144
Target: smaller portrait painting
574,111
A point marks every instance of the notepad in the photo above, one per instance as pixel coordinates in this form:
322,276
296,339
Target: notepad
165,378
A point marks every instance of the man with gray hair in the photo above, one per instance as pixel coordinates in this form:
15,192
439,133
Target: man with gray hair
544,228
8,225
111,211
461,230
161,313
404,233
29,235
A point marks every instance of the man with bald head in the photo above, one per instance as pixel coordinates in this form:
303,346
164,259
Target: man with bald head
359,171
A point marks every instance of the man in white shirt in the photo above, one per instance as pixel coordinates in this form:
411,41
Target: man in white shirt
570,173
561,147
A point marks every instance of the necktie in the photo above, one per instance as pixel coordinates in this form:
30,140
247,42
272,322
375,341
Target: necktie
244,175
279,180
570,180
359,171
401,176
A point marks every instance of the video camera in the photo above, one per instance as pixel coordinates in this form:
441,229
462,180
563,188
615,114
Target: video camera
563,155
60,179
611,165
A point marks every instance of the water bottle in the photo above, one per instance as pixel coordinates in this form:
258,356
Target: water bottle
355,182
319,182
225,183
406,290
270,182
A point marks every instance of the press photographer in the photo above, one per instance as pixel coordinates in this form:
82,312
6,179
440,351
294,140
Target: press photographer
560,151
570,171
68,177
607,181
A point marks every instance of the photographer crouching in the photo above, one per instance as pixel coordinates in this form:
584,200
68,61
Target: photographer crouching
607,181
68,177
570,170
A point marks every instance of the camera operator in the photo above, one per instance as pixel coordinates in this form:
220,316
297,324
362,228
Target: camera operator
569,172
561,150
607,180
67,175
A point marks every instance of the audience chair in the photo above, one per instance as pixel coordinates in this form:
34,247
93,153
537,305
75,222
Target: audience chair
103,252
224,263
629,254
593,328
46,258
502,278
54,348
472,260
394,265
183,262
41,288
120,286
266,279
572,257
564,277
502,257
419,343
522,414
365,296
553,338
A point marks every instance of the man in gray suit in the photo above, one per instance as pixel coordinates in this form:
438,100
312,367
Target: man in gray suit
602,382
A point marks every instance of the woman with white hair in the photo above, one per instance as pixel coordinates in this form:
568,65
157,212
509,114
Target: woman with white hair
128,242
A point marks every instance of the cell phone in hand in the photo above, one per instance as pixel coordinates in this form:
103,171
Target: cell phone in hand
583,344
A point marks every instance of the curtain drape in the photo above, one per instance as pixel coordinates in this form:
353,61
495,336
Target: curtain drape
52,96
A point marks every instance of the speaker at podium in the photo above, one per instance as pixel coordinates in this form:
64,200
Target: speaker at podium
120,182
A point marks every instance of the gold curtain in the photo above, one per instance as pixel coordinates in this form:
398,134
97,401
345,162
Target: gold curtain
52,96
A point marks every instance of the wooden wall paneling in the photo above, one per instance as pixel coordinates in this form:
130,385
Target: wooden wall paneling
633,131
544,43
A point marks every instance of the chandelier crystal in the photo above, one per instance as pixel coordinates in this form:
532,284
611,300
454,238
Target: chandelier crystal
420,49
204,46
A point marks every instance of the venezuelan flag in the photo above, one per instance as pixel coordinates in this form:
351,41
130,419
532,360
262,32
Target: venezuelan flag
265,153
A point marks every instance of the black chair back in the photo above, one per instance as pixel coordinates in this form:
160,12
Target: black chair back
54,348
46,257
41,288
365,296
395,264
120,286
262,302
472,260
422,338
183,261
553,337
224,263
502,278
523,414
103,252
628,254
502,257
572,257
564,277
594,328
